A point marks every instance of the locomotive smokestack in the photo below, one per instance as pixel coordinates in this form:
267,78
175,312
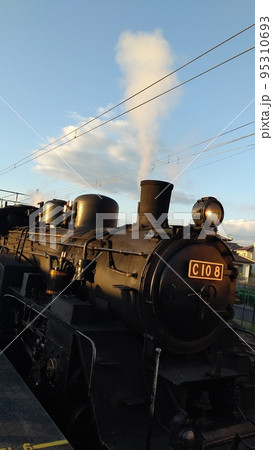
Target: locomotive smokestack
154,199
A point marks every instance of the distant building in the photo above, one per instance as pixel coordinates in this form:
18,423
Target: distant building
244,259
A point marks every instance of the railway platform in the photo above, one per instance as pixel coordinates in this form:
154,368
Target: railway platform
24,424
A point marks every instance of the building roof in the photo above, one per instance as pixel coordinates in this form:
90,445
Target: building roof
235,246
249,248
241,259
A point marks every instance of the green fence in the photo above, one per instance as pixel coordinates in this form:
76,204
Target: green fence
246,296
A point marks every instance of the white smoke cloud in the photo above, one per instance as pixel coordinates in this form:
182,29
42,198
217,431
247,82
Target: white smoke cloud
36,196
145,58
110,157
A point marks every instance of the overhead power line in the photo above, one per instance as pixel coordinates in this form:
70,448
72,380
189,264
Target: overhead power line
217,160
78,192
115,178
160,161
137,93
35,155
174,160
211,139
12,192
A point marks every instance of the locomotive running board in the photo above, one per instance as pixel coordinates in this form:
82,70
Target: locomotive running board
191,368
224,435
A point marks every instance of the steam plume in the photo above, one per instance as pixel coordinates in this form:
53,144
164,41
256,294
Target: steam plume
144,58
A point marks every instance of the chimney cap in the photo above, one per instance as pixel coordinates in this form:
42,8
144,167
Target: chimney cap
156,182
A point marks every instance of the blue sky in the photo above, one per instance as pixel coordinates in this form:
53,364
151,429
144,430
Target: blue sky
64,62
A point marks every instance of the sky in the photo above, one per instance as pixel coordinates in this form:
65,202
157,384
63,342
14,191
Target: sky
64,63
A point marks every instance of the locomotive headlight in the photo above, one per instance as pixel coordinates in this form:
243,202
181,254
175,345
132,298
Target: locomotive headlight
208,209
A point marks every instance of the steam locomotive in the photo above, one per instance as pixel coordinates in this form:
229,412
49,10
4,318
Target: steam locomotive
123,332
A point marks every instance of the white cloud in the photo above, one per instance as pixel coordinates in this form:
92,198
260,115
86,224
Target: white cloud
117,155
179,197
94,158
242,231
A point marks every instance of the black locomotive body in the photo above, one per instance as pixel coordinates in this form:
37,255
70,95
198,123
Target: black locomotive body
122,332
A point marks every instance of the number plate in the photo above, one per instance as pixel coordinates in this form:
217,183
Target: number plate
205,270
